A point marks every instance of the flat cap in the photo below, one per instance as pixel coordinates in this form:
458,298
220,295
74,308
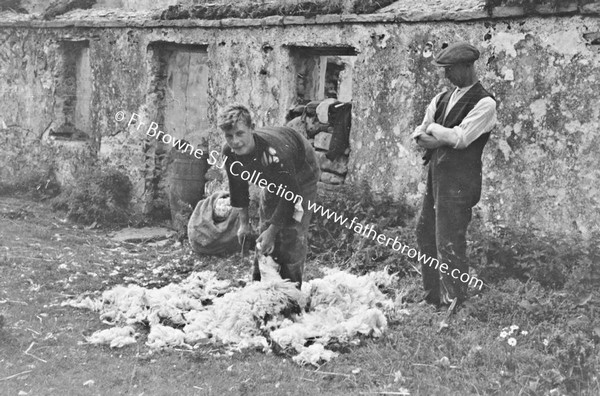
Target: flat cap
456,53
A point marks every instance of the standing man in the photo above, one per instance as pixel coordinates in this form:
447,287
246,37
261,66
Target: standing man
455,129
286,161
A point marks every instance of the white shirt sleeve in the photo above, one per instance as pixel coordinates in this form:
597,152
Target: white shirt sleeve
429,113
480,120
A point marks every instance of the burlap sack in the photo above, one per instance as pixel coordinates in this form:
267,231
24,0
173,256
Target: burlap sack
208,237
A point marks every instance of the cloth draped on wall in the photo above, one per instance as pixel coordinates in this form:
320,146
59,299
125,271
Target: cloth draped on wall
340,118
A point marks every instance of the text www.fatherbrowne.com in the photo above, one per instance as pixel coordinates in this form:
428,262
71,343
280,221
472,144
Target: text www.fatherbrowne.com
236,169
369,232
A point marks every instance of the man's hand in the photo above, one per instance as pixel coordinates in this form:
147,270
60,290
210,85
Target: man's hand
428,142
267,240
419,131
243,232
433,127
417,134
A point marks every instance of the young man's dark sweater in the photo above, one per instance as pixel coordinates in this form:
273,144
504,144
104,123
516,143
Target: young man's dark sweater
284,159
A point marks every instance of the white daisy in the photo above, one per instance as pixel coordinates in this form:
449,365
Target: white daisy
524,332
503,334
398,376
545,342
512,341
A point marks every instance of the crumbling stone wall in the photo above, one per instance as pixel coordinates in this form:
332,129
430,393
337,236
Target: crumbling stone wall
541,164
541,161
31,109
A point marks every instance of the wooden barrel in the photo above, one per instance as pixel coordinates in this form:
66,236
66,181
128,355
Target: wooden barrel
186,186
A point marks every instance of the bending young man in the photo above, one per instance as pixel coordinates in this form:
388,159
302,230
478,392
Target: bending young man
454,131
283,164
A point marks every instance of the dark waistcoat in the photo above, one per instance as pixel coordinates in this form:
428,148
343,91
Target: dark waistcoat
457,172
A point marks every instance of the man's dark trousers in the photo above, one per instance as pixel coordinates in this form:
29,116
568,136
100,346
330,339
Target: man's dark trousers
441,234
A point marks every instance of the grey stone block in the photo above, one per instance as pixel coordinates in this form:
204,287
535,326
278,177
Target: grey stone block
330,178
322,140
339,166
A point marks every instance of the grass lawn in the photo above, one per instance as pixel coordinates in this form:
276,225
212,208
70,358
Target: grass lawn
45,260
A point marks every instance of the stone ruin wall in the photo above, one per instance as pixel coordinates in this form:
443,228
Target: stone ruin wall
541,166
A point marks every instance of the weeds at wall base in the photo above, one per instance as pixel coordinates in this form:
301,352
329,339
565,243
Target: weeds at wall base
331,242
98,195
496,254
35,185
511,253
